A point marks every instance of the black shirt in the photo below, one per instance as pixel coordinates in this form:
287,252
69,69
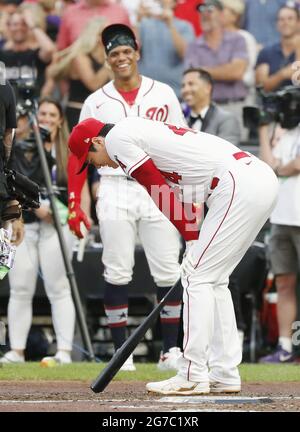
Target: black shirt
7,113
24,64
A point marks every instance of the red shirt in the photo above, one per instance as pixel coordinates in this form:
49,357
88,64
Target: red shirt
76,17
129,96
186,10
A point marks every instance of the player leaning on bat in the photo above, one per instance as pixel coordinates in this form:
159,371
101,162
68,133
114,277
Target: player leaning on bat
124,209
240,192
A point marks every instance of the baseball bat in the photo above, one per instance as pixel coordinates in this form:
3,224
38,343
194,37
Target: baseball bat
128,347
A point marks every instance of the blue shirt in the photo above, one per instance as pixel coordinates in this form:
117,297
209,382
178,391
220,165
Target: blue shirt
276,60
260,19
232,47
159,58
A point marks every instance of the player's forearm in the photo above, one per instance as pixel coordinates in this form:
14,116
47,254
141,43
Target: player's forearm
75,181
163,196
86,199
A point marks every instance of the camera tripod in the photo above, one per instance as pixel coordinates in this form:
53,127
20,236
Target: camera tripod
31,113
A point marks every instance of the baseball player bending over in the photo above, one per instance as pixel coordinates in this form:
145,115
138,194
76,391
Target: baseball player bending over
124,208
240,192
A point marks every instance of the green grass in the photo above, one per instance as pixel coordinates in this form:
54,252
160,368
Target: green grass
145,372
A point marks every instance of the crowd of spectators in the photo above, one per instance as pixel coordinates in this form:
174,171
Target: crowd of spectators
241,43
212,53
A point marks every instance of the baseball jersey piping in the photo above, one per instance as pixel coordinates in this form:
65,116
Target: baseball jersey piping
118,100
188,318
148,91
138,164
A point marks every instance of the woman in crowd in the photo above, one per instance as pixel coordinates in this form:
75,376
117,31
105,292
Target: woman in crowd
83,65
40,248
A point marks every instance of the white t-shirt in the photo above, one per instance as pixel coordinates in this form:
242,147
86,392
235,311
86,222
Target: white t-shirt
155,100
287,210
187,159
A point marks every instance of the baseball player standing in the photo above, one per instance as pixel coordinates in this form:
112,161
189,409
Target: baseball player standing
240,192
124,208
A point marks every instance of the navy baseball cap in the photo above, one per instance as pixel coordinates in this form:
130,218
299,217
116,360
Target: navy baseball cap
206,4
116,35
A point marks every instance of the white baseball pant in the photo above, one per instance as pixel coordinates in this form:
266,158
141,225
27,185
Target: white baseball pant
40,248
238,208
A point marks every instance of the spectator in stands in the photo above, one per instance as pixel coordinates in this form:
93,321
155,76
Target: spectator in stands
203,114
275,62
164,39
223,54
260,20
27,49
7,8
83,64
232,15
37,13
41,246
53,18
185,10
133,7
76,17
284,243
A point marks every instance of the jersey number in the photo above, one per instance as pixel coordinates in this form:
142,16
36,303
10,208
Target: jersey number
179,130
158,114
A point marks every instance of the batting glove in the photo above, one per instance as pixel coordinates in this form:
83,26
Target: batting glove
76,216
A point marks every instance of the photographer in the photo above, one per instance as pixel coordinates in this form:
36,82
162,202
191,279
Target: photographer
7,126
284,157
41,246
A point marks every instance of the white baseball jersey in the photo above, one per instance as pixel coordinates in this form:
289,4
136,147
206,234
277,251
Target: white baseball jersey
185,157
155,101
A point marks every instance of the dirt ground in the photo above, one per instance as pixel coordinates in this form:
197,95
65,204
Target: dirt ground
131,396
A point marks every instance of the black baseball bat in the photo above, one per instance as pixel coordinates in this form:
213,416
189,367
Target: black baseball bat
122,354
